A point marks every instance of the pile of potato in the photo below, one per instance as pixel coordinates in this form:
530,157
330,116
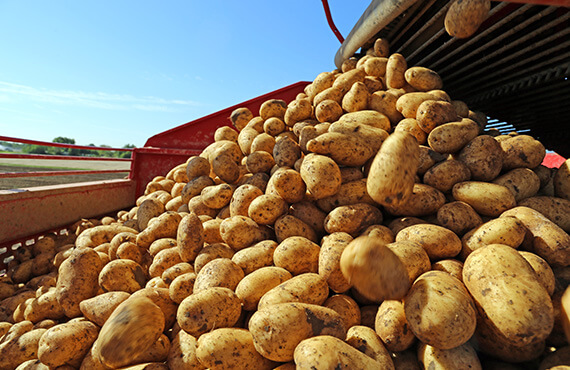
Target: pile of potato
371,223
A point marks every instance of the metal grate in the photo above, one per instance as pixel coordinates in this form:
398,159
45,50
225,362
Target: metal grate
515,68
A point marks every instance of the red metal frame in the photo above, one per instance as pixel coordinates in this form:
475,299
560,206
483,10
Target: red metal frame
331,22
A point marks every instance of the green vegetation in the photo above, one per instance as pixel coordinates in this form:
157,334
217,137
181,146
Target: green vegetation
41,149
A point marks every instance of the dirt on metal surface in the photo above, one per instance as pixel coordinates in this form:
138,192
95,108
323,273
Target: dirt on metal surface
25,165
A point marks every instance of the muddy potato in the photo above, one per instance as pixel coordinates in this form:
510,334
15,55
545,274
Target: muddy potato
549,241
356,99
504,230
267,208
20,344
372,137
44,307
392,172
522,182
181,287
273,108
217,196
373,84
240,117
445,174
162,260
221,272
254,257
352,219
297,255
225,133
286,152
328,111
245,138
278,329
211,308
345,149
259,161
194,187
463,18
453,136
240,232
287,184
288,225
67,344
374,270
384,102
522,151
442,321
508,295
483,156
130,330
432,113
242,198
458,217
424,200
462,357
99,308
487,199
413,256
392,327
437,241
310,214
122,275
555,209
321,175
346,307
228,348
305,288
395,69
163,226
254,285
298,110
182,354
273,126
423,79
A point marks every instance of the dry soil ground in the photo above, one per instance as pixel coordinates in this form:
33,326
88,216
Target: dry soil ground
30,165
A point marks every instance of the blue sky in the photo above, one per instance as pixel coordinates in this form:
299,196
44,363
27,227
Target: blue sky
118,72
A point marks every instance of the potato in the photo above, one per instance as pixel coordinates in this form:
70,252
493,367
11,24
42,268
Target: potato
208,309
555,209
452,266
130,330
254,257
77,280
411,126
174,271
345,149
242,198
346,307
147,210
182,353
297,255
99,308
273,108
366,117
561,181
181,287
329,261
321,175
463,18
122,275
522,182
522,151
453,136
240,117
392,327
44,307
286,152
20,344
395,69
267,208
189,238
298,110
424,200
195,186
240,232
345,81
225,133
355,99
221,272
9,305
352,219
217,196
408,104
211,252
462,357
373,84
329,352
94,236
332,93
253,286
323,81
278,329
504,230
548,240
458,217
375,66
163,226
259,161
445,174
311,214
287,184
328,111
423,79
437,241
487,199
381,47
352,192
443,321
161,244
543,271
305,288
391,176
374,270
483,156
67,344
413,256
372,137
367,341
288,225
428,158
508,295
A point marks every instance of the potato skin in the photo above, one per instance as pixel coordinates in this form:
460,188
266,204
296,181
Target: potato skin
207,309
229,348
412,255
297,255
437,241
458,217
254,257
67,343
278,329
189,237
352,219
508,295
522,151
453,136
555,209
463,18
122,275
462,357
483,156
305,288
253,286
522,182
424,200
329,261
445,174
504,230
346,307
395,70
487,199
367,341
391,176
442,321
321,175
392,326
220,272
99,308
423,79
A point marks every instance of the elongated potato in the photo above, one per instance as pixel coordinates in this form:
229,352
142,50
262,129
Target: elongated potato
392,173
67,344
562,181
522,151
522,182
220,272
444,321
329,261
437,241
346,307
445,174
352,219
278,329
254,257
504,230
462,357
487,199
253,286
392,326
99,308
555,209
453,136
367,117
508,295
423,79
395,69
346,149
412,255
321,175
305,288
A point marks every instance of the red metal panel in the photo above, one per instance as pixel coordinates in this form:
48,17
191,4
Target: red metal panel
199,133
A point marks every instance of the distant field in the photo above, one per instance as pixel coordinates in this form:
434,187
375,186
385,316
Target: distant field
27,165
